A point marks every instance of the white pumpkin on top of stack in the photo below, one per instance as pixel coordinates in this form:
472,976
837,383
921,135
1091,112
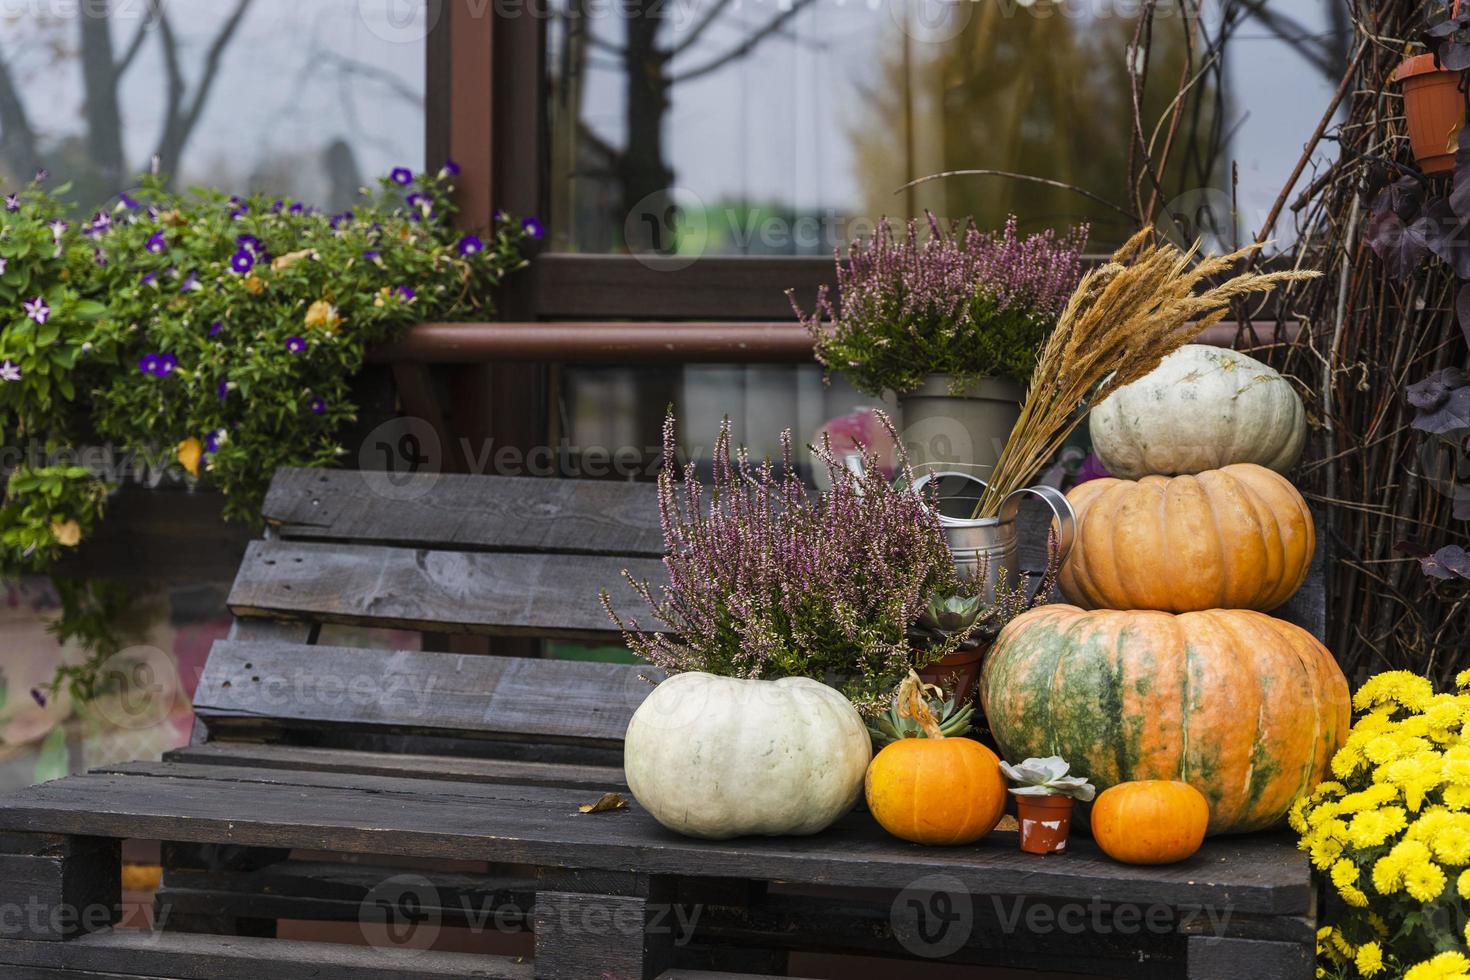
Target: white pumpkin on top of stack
1201,409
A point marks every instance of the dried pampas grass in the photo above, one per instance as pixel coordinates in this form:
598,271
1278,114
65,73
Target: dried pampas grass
1125,317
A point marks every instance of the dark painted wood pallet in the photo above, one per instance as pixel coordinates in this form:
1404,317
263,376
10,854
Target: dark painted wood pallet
318,773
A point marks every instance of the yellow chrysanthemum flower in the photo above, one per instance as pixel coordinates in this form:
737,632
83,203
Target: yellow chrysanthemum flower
1456,765
1424,880
1445,966
1396,687
1369,960
1463,885
1373,827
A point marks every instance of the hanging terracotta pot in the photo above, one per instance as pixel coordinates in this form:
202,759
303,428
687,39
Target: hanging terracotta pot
1045,822
1434,110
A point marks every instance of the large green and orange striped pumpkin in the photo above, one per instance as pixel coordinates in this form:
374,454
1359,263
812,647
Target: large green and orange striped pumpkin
1247,709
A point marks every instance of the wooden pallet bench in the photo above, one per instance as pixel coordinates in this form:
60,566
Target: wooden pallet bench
411,794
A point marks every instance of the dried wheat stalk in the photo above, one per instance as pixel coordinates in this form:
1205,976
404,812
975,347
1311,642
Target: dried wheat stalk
1145,302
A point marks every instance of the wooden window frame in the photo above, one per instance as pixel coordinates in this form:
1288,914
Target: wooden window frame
488,114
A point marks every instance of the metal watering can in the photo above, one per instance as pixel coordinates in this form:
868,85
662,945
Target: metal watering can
991,543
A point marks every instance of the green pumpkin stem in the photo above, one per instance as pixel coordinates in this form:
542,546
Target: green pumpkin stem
911,704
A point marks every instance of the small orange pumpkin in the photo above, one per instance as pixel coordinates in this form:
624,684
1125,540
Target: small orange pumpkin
934,790
1150,821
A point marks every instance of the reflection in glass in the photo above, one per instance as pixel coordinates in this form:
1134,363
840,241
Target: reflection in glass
786,127
302,100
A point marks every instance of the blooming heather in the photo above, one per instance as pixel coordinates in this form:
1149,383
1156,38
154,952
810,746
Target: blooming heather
961,302
767,581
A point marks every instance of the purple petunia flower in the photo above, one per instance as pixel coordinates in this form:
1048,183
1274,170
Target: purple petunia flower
149,278
295,344
216,327
213,441
42,174
157,243
100,257
533,228
12,202
318,405
149,363
401,176
37,309
418,201
297,208
223,389
404,294
338,220
166,365
127,201
38,697
371,255
58,228
470,245
9,370
242,261
191,282
450,169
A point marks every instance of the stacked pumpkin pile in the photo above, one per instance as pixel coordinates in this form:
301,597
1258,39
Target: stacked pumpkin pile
1167,667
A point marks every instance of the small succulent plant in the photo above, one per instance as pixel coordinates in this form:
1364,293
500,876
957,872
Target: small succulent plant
900,721
1048,777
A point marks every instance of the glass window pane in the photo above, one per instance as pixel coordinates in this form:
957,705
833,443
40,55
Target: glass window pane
740,127
307,100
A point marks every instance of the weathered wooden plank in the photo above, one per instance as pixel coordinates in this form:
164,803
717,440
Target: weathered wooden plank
506,697
57,890
256,756
137,953
542,826
580,935
1212,958
455,512
511,594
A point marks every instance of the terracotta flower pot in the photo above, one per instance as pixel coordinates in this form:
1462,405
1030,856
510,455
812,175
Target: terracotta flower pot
964,663
1434,110
1045,822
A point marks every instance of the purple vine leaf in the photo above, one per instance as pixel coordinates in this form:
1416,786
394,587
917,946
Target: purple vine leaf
1431,393
1451,561
1462,310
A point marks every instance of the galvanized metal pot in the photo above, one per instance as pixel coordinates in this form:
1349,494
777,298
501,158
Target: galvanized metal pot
992,544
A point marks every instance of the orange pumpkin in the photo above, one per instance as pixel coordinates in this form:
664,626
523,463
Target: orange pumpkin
936,790
1151,821
1239,537
1245,708
932,789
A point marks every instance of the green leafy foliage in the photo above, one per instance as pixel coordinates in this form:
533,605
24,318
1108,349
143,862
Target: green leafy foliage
48,510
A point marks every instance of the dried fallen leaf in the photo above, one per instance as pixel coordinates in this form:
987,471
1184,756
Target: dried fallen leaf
608,801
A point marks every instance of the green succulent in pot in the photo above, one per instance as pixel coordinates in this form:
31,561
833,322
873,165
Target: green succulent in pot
953,716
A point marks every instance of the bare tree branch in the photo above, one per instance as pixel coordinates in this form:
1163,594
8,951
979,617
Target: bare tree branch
136,44
744,48
1026,177
181,122
710,16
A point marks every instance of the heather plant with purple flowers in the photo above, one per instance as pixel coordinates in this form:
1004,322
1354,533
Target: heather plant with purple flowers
961,302
766,580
